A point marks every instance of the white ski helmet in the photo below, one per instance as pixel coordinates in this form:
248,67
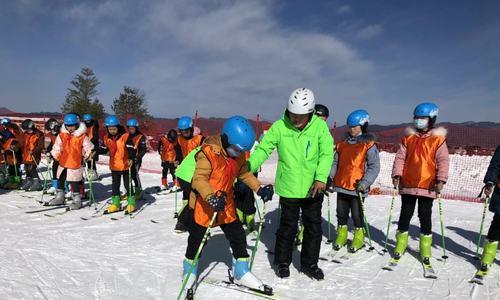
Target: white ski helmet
301,102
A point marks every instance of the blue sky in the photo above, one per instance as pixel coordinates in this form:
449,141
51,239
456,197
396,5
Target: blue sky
245,57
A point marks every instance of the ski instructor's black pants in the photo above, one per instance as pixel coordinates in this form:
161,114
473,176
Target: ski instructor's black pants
311,219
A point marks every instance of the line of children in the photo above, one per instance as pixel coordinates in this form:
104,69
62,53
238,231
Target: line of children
139,148
121,155
356,165
72,148
219,162
420,171
171,154
188,141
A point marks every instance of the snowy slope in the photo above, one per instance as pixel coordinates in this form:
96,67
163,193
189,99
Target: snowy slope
64,257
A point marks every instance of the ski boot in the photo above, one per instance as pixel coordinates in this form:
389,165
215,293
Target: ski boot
489,254
36,186
341,239
57,200
3,180
163,186
27,183
313,272
76,203
401,244
425,246
241,275
358,241
114,206
53,188
283,270
131,205
191,282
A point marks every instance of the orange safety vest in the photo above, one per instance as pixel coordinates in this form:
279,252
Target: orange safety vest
224,172
118,154
8,154
31,141
168,150
351,164
136,140
420,164
188,145
71,155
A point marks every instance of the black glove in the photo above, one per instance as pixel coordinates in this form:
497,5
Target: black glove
266,192
217,202
329,184
361,187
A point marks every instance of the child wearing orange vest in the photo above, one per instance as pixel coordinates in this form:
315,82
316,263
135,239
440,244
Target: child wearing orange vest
219,162
93,135
11,151
139,148
356,166
53,127
71,149
171,155
32,153
121,155
187,140
420,171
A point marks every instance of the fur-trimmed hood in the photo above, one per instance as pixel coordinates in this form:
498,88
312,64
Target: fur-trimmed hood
81,130
363,138
438,131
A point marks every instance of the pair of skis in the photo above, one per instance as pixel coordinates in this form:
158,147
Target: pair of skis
429,271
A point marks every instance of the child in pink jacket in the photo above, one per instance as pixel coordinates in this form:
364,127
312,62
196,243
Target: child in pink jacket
420,171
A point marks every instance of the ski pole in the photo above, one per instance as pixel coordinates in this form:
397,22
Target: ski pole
367,226
176,213
486,202
442,226
130,181
91,195
329,241
259,231
197,256
389,219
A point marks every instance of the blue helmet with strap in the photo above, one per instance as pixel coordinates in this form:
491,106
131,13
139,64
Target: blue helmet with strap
358,117
239,132
87,117
426,109
133,123
185,122
71,119
111,121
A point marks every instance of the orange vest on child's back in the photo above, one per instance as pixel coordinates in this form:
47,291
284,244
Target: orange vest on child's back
72,147
8,154
224,172
168,150
135,141
188,145
31,141
351,164
420,164
118,154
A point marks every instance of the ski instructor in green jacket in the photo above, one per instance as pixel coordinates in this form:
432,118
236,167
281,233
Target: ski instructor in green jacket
305,157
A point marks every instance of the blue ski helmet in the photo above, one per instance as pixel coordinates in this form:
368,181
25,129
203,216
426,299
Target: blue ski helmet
358,117
185,123
71,119
426,109
111,121
87,117
239,132
5,121
133,123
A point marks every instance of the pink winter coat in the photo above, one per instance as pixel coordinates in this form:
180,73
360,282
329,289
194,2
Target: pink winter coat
73,175
442,163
